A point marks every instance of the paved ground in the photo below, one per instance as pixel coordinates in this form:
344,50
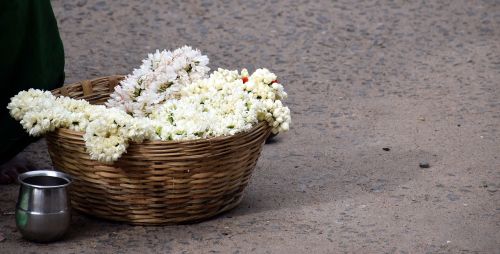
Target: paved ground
419,77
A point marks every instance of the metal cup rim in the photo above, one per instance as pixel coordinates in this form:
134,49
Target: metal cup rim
51,173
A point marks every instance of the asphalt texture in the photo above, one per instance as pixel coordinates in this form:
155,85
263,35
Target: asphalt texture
394,146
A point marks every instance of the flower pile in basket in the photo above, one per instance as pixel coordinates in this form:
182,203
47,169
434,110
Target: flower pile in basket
170,96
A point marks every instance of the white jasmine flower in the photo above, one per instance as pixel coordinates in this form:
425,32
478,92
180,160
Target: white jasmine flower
159,78
143,108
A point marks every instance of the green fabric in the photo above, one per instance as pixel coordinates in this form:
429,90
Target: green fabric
31,56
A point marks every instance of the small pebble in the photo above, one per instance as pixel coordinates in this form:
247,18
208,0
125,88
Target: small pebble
386,149
81,3
424,164
452,197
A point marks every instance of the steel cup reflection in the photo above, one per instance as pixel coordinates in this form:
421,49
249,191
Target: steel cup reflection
43,212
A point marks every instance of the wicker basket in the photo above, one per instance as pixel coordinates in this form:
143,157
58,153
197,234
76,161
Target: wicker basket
155,182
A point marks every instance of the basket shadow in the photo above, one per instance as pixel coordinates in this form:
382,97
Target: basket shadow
299,180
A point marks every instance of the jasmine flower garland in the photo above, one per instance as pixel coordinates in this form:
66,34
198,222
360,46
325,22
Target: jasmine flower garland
216,106
109,132
225,103
159,77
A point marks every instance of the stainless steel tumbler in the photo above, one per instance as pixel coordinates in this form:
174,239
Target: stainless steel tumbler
43,212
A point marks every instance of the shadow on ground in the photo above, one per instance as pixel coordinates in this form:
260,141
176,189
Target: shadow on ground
368,170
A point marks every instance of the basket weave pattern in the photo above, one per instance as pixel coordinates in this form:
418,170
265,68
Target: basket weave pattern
155,182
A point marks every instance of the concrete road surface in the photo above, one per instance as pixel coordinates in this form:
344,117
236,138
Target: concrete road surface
419,78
